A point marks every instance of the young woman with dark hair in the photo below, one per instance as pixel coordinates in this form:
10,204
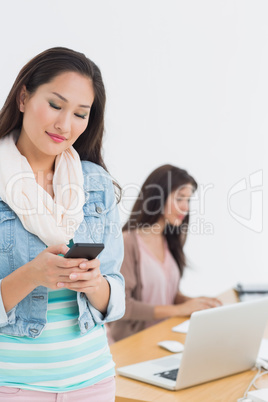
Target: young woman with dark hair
154,236
55,190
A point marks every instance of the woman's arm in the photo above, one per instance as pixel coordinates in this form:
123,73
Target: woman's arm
136,310
181,298
47,269
109,296
15,287
185,308
100,279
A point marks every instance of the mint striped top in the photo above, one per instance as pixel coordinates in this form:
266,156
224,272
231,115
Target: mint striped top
60,359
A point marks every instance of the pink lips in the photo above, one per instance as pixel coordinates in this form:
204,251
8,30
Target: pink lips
56,137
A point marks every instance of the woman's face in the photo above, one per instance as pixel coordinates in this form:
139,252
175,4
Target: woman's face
56,114
177,205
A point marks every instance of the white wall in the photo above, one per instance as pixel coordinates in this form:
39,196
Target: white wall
187,84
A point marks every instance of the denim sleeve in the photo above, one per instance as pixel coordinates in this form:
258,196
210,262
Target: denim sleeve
5,318
110,262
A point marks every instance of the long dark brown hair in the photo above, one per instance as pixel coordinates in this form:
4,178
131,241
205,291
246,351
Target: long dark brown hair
150,203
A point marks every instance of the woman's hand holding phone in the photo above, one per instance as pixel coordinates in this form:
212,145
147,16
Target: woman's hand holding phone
89,277
90,281
48,268
84,279
53,271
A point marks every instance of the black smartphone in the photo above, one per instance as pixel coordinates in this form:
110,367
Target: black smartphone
85,250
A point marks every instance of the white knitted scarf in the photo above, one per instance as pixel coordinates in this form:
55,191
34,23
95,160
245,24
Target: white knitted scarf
54,221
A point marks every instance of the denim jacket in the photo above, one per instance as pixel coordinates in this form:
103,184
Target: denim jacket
100,225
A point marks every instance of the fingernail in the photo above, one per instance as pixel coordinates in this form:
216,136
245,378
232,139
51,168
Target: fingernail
60,285
83,265
73,276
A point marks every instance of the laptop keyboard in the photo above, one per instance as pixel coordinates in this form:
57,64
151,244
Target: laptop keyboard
171,374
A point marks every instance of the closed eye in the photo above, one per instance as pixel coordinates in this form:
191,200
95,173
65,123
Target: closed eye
82,116
54,106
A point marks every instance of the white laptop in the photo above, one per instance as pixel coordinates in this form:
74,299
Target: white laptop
220,341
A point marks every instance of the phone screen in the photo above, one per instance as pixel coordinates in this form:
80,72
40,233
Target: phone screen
85,250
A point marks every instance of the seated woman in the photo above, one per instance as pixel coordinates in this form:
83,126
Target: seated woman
154,236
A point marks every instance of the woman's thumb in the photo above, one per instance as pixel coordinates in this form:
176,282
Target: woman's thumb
58,249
